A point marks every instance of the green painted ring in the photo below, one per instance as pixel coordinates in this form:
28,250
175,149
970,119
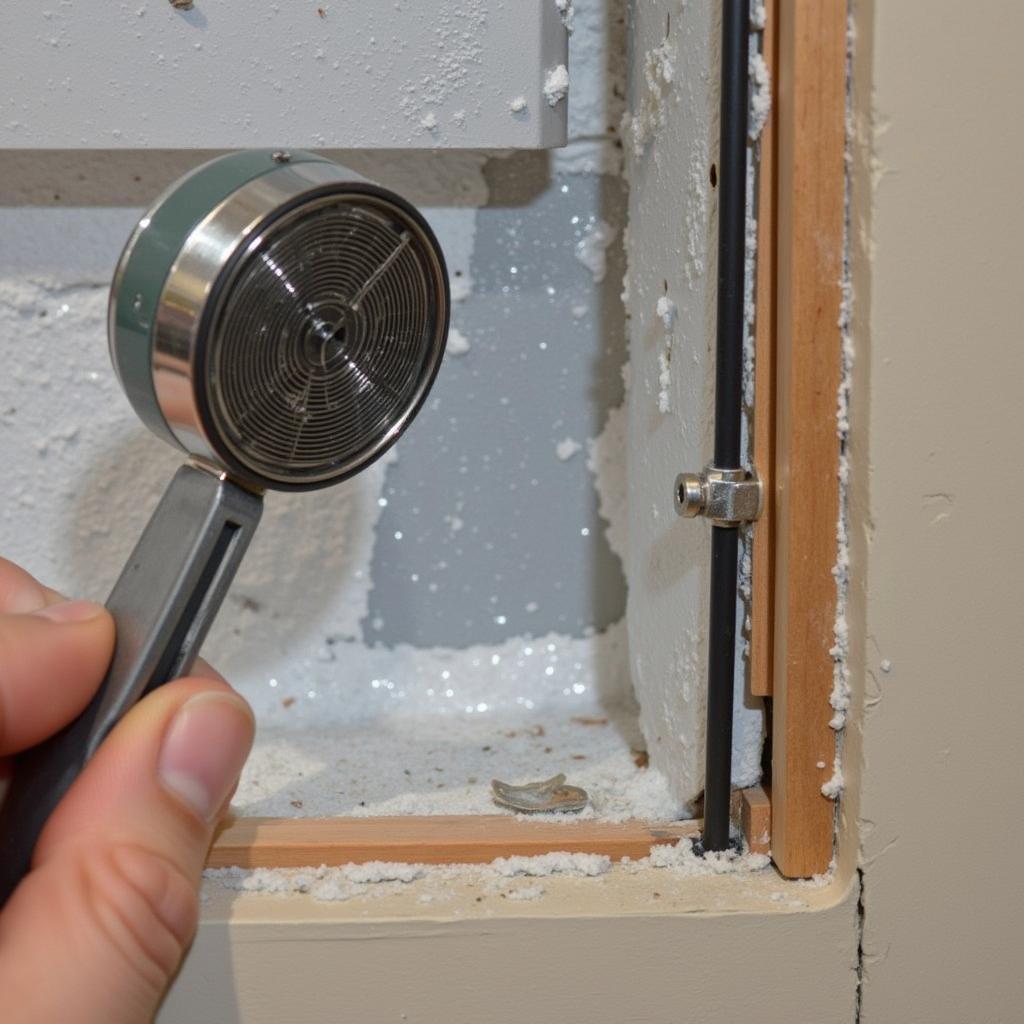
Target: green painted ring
172,280
146,262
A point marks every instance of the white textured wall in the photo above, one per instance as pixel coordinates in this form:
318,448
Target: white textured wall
671,140
233,73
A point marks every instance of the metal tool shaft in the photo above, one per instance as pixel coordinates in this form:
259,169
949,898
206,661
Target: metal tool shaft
163,605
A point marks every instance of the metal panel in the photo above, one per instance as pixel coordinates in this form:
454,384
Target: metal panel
347,73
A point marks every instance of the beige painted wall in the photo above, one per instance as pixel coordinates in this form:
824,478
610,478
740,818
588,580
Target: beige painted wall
938,223
933,754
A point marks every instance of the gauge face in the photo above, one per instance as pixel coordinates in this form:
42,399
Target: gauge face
324,339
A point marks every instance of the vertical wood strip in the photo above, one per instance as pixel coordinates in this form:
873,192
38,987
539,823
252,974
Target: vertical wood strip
810,135
762,597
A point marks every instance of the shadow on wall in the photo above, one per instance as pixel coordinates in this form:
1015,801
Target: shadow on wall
135,177
304,577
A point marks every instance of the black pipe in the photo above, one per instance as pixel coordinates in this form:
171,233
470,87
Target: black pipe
732,230
721,666
732,223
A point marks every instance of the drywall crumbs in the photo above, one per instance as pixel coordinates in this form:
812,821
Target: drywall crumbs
841,695
834,786
518,105
668,311
606,459
680,859
591,249
565,8
458,343
886,665
429,121
333,884
760,95
641,126
588,865
383,871
567,448
556,85
665,380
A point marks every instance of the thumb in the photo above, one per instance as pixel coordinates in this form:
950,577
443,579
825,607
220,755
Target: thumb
112,896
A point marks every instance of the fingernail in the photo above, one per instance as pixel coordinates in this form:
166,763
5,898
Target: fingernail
204,750
71,611
26,599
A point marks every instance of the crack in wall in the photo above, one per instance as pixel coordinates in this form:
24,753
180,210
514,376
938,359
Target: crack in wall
858,999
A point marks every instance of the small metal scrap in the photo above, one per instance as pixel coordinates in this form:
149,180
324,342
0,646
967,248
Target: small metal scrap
538,797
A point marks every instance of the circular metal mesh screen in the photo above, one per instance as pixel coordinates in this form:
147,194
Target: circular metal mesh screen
325,340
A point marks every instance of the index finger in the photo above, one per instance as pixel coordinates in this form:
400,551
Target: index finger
21,592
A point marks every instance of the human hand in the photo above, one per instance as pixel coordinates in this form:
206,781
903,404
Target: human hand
98,928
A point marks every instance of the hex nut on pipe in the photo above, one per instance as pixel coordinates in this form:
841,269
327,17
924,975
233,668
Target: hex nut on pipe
689,495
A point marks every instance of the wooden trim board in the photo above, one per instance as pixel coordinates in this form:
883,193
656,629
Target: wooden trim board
810,134
762,598
753,814
459,839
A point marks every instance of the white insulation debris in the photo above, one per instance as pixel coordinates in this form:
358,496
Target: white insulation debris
760,95
589,865
556,85
458,343
591,249
841,694
567,448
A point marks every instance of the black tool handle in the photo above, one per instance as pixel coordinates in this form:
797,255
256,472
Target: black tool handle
163,604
